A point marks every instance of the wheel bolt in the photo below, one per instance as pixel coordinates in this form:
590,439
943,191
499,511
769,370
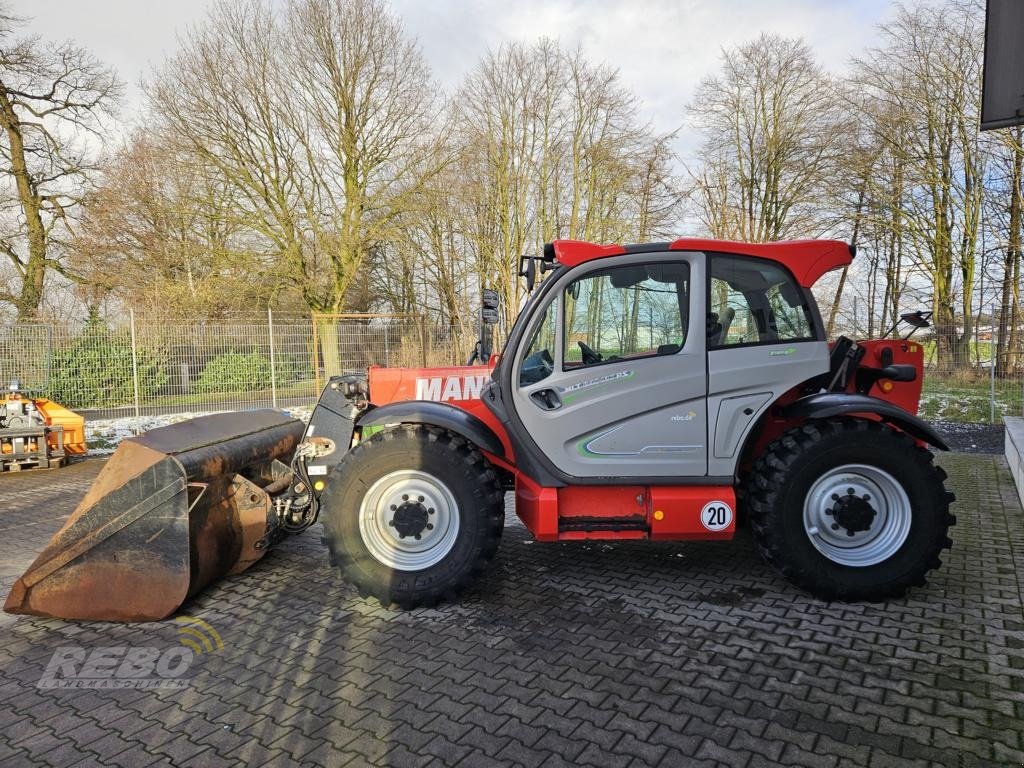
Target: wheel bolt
417,537
430,526
850,533
430,511
835,497
866,497
391,523
393,507
849,491
835,526
405,497
828,512
420,498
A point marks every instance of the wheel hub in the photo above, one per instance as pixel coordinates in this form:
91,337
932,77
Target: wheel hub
857,515
411,518
852,512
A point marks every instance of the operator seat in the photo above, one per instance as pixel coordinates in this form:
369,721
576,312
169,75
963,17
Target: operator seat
714,329
727,317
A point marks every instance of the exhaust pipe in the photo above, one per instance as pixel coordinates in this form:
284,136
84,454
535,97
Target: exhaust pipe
172,511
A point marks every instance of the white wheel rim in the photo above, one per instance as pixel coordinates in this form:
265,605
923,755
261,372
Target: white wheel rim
409,520
840,498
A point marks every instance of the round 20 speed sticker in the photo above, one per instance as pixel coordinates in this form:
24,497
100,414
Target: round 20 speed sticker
716,515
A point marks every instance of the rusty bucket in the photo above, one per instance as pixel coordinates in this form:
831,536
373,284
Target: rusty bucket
172,511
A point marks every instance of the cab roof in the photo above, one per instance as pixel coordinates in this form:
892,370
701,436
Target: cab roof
808,260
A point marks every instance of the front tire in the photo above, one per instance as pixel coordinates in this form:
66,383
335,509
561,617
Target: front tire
849,509
412,515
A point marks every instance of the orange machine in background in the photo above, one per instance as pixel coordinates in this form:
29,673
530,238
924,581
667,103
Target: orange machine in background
36,433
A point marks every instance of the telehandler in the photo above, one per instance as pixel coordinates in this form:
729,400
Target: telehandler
651,391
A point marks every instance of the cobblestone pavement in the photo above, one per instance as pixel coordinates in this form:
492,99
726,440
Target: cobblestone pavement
607,655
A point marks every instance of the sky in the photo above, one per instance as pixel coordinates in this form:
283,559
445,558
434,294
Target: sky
662,48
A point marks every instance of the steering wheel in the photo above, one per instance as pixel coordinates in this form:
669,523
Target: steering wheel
536,367
590,355
546,364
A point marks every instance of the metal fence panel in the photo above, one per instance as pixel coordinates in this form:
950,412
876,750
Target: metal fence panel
25,354
180,368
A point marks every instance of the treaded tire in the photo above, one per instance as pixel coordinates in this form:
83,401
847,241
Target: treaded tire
443,455
784,474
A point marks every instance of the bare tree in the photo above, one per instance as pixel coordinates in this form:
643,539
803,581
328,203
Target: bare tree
54,100
772,134
924,84
369,112
860,178
219,100
319,118
157,234
506,114
552,147
1007,214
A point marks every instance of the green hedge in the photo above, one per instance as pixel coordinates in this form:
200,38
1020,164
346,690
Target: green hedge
235,372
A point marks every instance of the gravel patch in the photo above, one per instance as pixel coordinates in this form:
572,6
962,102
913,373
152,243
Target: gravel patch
971,438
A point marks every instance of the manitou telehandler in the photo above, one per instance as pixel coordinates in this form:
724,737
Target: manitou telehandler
645,392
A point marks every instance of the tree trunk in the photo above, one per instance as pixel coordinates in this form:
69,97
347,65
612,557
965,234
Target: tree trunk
33,270
835,304
1010,261
857,213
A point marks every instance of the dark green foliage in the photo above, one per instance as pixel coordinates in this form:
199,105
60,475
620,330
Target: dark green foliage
94,370
235,372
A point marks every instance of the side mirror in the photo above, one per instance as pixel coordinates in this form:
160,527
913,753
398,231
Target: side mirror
528,269
917,319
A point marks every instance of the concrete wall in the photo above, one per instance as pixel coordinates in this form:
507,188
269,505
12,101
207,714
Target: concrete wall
1015,452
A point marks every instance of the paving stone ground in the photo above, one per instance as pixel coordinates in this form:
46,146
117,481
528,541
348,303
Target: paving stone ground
602,654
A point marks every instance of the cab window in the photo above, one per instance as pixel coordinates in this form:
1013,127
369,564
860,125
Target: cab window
625,312
539,361
752,301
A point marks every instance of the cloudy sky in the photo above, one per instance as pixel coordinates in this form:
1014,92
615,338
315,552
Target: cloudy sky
661,47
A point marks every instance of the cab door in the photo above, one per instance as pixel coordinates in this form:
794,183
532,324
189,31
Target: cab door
613,382
763,340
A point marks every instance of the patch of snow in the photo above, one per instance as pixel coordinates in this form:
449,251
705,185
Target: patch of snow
300,412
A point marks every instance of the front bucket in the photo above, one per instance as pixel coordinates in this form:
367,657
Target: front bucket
172,511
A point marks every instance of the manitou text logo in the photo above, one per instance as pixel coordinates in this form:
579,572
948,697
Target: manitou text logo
121,666
446,388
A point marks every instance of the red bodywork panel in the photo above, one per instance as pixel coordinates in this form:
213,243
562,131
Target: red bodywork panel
684,513
456,385
570,253
537,507
808,260
905,394
655,512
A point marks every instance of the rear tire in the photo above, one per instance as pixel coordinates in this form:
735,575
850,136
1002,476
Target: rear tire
849,509
412,515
